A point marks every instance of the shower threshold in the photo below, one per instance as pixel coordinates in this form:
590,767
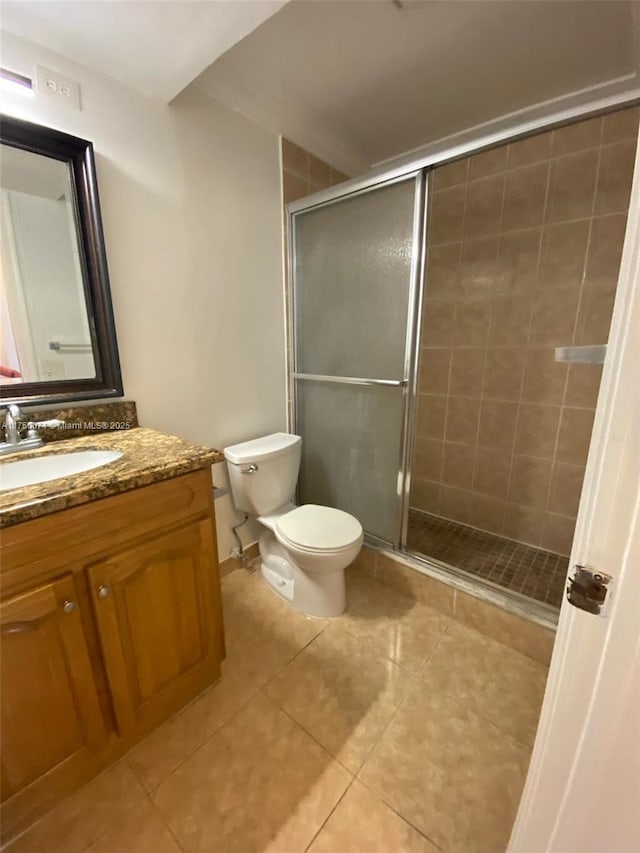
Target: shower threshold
495,561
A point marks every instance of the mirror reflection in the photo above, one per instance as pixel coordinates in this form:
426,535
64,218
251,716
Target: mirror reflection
45,334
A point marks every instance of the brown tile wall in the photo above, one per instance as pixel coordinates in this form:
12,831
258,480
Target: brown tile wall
302,175
524,248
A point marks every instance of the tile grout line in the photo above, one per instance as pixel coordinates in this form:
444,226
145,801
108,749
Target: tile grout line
11,841
333,758
291,660
556,444
401,816
258,690
510,167
152,789
165,823
463,704
600,146
130,808
326,820
492,399
521,559
521,401
476,445
416,682
414,677
488,533
571,221
312,737
421,681
171,719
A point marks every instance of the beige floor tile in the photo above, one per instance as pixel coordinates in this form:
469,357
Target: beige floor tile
249,606
364,563
362,823
259,785
82,817
140,831
414,584
357,583
496,682
453,775
402,629
170,744
262,632
343,692
515,631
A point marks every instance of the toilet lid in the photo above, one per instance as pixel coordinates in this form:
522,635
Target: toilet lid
319,527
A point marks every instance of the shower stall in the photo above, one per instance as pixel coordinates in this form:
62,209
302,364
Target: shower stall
448,326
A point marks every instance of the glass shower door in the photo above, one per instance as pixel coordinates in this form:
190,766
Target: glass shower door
355,275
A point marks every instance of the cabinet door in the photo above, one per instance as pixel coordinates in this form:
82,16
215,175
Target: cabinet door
155,615
50,709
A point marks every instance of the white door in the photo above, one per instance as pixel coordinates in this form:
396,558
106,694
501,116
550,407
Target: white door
583,789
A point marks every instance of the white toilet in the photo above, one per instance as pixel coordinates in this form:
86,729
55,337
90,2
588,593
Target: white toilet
304,549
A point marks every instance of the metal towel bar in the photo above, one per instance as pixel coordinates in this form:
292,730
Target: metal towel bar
60,347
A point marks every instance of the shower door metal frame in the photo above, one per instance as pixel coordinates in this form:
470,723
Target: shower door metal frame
386,174
388,171
408,382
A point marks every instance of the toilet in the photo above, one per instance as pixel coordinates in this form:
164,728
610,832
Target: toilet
304,550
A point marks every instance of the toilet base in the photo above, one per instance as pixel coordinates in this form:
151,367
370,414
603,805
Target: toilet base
320,593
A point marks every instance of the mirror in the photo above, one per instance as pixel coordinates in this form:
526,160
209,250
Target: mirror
57,335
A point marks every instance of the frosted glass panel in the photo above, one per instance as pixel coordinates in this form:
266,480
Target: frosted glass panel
352,276
351,450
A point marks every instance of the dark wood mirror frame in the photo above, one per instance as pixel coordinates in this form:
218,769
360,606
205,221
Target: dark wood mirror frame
78,154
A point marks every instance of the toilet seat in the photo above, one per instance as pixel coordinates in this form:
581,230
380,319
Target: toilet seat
318,529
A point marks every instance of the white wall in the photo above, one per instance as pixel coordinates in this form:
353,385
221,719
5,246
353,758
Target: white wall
191,203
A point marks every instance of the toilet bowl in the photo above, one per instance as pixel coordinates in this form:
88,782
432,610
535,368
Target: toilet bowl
304,550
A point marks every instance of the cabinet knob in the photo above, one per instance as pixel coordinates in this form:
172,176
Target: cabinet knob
69,606
104,591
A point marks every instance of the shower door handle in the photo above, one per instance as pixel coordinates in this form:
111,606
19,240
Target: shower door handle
351,380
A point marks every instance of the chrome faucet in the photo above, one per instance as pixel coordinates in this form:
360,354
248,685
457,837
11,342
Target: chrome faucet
11,420
13,441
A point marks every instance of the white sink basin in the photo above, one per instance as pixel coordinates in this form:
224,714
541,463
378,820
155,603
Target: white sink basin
28,472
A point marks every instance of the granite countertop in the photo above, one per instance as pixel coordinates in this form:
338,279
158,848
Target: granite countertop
147,457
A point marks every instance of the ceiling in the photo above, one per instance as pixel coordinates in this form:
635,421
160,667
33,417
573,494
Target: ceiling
156,47
361,81
355,81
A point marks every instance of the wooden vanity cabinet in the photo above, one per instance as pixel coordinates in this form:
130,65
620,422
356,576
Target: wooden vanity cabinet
110,622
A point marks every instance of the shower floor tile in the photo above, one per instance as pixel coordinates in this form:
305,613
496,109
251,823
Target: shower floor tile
512,565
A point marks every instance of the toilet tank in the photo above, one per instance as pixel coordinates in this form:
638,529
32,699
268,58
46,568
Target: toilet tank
263,472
